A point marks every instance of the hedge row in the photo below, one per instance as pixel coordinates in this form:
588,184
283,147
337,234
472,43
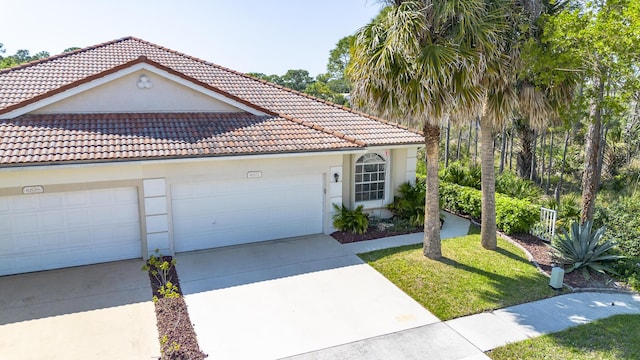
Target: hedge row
512,215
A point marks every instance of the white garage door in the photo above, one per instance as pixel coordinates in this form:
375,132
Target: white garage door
48,231
207,215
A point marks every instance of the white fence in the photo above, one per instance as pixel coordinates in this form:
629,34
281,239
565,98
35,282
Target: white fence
546,228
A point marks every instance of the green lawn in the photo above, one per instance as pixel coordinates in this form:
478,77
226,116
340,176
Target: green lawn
612,338
467,280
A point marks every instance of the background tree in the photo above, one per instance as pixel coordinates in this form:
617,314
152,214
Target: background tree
331,86
608,61
20,57
339,58
297,79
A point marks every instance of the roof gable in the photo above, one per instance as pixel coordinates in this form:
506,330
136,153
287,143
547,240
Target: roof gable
46,102
144,90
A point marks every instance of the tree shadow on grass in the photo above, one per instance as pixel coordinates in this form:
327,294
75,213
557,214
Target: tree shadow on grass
493,286
512,256
507,290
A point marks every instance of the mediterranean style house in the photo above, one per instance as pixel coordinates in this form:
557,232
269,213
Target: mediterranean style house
115,150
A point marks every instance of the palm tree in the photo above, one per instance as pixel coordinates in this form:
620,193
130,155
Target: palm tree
509,84
500,102
421,63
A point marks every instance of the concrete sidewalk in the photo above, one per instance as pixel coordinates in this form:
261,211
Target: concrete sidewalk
516,323
467,338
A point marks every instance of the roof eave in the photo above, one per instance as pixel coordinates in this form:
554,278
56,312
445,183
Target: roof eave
190,158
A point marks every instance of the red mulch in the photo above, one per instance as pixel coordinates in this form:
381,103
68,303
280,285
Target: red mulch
347,237
540,252
173,322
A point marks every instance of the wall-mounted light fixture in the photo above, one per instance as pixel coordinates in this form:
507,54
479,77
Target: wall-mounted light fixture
144,82
336,176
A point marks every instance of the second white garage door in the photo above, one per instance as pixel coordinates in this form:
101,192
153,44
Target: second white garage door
214,214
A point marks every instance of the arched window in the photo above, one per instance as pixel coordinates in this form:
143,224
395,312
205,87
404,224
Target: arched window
370,177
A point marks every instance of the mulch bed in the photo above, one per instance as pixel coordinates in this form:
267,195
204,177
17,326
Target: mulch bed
177,337
575,279
347,237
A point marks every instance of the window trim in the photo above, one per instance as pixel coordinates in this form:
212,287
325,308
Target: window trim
387,180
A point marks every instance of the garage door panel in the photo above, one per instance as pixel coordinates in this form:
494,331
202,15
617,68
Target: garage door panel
76,199
28,203
46,231
50,202
50,221
27,241
53,238
215,214
32,262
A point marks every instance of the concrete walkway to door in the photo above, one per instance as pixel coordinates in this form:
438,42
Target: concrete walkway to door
287,297
101,311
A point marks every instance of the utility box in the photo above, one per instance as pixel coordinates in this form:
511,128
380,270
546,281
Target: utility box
557,278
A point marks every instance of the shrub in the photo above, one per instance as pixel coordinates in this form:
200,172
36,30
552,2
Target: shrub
458,173
409,204
582,249
513,186
461,199
512,215
629,269
515,215
353,221
569,209
623,224
160,268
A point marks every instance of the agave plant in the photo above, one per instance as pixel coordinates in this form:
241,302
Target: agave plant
583,249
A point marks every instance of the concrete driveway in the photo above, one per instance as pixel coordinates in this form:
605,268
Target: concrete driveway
287,297
90,312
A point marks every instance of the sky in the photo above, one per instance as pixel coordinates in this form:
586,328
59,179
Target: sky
267,36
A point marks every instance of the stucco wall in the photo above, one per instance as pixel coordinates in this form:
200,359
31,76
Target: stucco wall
154,179
123,95
151,176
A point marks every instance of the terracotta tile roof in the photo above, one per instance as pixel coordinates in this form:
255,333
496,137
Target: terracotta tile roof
22,85
77,137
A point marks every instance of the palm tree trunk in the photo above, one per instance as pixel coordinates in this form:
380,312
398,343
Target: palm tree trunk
511,150
469,142
431,246
488,216
503,150
475,143
458,145
525,158
564,161
592,150
446,144
533,157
